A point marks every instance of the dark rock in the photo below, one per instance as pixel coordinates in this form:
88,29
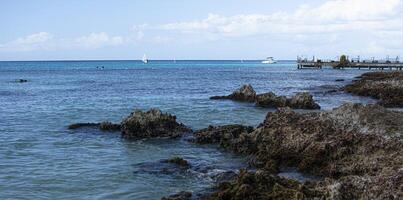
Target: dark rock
83,125
331,91
178,161
271,100
262,186
108,126
152,123
104,126
359,149
226,136
339,80
22,81
368,119
227,176
385,86
184,195
303,100
245,93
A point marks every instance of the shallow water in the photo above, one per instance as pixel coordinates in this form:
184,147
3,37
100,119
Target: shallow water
41,159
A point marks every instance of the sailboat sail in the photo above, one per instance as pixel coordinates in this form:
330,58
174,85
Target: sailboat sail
145,60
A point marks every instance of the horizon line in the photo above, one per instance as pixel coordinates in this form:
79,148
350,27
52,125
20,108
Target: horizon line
77,60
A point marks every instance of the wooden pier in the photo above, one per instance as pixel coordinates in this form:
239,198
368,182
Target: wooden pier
372,64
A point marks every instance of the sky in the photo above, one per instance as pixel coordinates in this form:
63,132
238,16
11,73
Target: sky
208,29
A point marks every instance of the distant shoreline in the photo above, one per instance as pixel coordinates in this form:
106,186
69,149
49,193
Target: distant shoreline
132,60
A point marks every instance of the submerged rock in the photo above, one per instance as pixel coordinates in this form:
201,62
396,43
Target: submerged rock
339,80
21,80
385,86
178,161
83,125
184,195
172,166
152,123
245,93
359,152
109,126
104,126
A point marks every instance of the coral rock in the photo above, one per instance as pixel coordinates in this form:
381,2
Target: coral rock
152,123
245,93
385,86
303,100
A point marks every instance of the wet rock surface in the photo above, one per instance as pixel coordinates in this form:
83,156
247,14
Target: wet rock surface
184,195
223,135
109,126
368,119
359,159
83,125
104,126
152,123
263,185
271,100
223,177
302,100
245,93
178,161
385,86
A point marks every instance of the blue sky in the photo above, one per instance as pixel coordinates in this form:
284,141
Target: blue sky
208,29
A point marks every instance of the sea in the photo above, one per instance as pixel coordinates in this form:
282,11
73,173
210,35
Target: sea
41,159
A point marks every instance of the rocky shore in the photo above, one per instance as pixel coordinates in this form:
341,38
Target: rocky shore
385,86
358,158
356,149
246,93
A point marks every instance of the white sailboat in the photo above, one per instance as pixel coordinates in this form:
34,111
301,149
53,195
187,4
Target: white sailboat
145,59
269,60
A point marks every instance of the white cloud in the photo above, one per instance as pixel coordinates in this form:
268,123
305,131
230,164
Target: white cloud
97,40
359,26
46,41
334,21
332,16
28,43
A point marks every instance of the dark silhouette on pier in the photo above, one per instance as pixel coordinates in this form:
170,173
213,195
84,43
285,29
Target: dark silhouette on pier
345,62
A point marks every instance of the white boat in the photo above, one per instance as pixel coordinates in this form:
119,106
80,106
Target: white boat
145,59
269,60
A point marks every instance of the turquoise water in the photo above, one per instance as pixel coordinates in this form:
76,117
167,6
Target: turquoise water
41,159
